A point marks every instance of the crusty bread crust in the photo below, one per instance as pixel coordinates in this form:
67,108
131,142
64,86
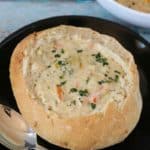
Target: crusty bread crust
80,133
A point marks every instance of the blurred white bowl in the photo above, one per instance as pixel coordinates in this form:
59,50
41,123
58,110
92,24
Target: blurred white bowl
129,15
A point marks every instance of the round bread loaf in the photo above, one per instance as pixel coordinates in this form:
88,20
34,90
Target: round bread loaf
75,87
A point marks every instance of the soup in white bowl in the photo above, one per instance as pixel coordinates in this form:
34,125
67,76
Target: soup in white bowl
140,5
127,14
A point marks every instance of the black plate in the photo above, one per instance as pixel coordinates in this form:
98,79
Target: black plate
140,137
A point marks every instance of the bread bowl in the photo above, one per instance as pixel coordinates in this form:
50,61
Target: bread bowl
75,87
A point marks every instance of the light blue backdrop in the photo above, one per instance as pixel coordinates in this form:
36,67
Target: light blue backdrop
17,13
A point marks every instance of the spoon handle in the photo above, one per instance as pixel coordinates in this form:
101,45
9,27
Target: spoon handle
15,134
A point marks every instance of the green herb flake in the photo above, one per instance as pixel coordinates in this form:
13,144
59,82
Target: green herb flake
99,58
116,78
62,51
109,80
73,90
57,55
93,105
116,71
103,81
53,51
61,77
105,62
79,51
63,83
48,66
61,63
83,92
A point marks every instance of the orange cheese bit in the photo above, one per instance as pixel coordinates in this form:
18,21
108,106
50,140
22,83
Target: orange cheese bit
60,92
94,99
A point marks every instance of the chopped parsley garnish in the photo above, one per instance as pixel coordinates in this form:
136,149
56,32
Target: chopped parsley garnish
57,55
99,58
116,71
83,92
53,51
62,50
62,83
101,82
109,80
79,51
116,78
73,90
61,77
104,81
61,63
93,106
48,66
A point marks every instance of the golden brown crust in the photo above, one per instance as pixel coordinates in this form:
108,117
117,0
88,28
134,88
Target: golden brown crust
81,133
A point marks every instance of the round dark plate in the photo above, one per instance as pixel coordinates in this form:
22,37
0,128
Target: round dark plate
140,137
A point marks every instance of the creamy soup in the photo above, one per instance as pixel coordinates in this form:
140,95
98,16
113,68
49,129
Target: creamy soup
141,5
73,76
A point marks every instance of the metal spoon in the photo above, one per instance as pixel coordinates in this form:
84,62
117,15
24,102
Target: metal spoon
15,133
